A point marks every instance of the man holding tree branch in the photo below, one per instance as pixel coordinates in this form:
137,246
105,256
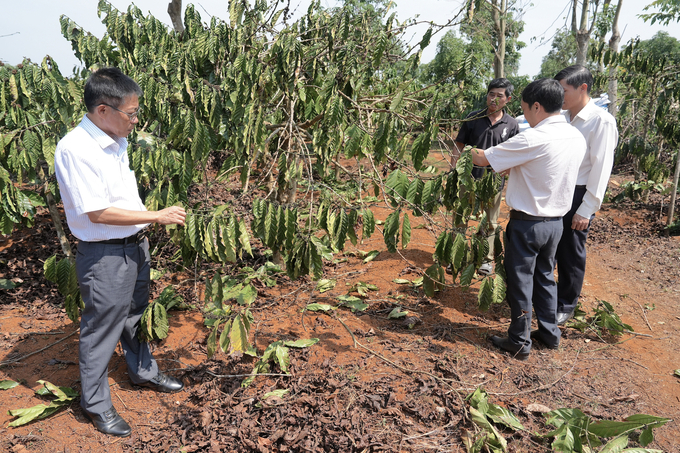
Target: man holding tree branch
543,163
104,211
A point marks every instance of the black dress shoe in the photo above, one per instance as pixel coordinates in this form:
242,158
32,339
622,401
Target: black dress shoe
109,422
163,383
506,345
562,318
535,335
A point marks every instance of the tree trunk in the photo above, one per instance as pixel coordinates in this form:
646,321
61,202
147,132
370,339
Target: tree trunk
612,90
56,220
582,35
499,9
175,12
671,207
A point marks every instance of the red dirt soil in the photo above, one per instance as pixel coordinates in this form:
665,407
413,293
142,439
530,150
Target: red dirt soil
380,391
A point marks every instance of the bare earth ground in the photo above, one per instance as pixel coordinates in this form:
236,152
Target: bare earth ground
390,388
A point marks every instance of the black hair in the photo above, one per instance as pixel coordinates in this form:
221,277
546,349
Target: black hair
109,86
547,92
575,76
502,83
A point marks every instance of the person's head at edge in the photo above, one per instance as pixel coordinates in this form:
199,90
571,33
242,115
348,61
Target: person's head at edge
541,99
112,101
576,80
498,94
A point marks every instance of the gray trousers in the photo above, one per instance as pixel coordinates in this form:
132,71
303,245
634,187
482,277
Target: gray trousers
529,265
114,283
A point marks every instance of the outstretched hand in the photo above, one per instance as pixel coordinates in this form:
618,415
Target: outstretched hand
172,215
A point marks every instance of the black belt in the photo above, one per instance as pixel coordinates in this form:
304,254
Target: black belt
580,187
519,215
134,239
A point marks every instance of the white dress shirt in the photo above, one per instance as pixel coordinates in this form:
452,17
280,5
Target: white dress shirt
543,163
94,173
599,129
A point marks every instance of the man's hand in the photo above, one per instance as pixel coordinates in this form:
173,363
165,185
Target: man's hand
171,216
479,158
579,222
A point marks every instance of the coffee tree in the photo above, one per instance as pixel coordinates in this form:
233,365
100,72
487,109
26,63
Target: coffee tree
280,106
649,93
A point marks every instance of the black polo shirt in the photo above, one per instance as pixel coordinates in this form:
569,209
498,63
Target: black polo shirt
477,131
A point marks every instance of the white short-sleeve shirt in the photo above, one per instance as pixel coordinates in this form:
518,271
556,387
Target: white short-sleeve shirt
94,173
543,163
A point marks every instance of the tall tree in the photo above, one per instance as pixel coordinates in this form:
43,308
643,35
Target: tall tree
562,54
499,11
175,12
612,90
494,22
670,11
582,30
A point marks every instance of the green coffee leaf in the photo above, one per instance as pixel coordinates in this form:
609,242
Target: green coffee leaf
7,384
396,313
371,256
6,284
279,393
354,303
301,343
324,285
64,397
319,307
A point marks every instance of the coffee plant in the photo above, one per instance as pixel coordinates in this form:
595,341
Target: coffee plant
279,106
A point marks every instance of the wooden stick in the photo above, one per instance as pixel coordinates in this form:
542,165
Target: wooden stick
9,362
36,333
247,375
613,358
644,315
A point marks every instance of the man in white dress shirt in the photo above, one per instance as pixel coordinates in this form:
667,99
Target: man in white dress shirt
599,129
105,213
543,163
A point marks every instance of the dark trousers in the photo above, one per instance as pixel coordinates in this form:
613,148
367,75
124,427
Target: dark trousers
571,259
529,264
114,283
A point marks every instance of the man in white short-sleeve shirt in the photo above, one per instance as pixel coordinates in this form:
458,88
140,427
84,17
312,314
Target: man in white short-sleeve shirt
543,163
599,129
104,211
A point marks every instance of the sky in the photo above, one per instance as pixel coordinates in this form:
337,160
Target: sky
30,28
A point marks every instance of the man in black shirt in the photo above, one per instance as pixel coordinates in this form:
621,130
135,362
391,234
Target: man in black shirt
483,129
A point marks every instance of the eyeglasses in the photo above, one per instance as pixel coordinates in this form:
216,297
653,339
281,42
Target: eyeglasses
131,116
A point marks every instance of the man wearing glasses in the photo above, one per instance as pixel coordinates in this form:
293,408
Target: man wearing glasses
104,211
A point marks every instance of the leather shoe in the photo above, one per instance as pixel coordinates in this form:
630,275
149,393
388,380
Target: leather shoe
109,422
163,383
507,346
535,335
562,318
